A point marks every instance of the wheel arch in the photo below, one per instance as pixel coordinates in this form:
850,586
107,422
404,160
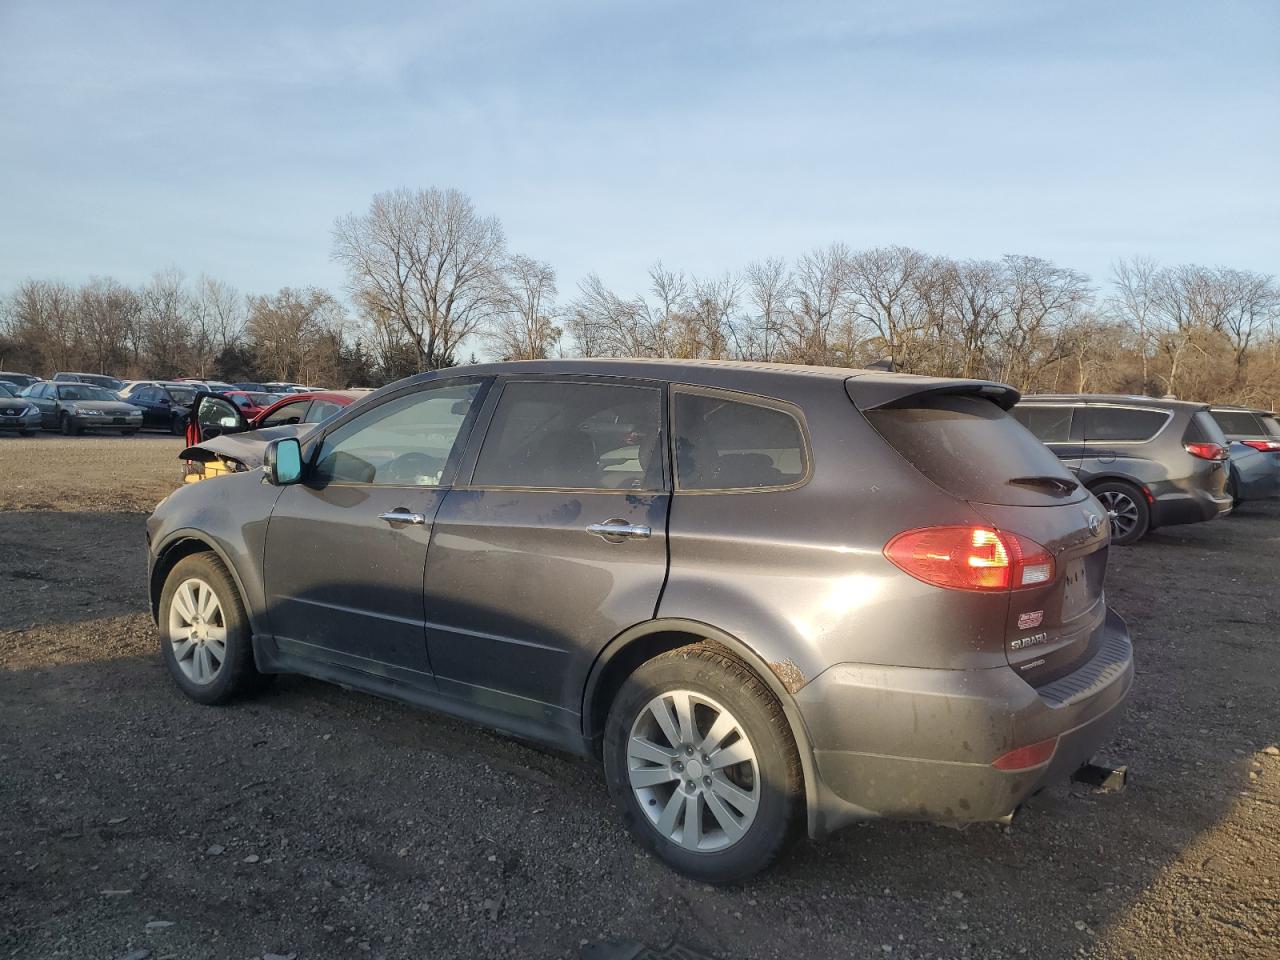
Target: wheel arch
643,642
180,545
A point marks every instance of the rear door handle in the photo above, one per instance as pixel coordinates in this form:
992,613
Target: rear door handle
616,531
400,515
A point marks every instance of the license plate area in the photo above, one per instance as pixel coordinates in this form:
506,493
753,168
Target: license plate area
1077,597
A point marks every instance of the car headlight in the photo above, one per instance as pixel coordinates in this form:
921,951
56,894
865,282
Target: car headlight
31,411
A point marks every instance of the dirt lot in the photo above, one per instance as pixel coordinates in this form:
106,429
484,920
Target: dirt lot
325,823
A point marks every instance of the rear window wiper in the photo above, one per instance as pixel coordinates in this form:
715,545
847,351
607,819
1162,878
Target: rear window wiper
1060,484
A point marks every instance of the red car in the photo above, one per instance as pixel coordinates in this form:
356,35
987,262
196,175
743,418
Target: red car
251,402
295,408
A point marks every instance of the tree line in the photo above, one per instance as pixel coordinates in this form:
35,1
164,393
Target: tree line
428,276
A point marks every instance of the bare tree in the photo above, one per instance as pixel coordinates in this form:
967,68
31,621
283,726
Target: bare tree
525,327
426,261
108,311
769,288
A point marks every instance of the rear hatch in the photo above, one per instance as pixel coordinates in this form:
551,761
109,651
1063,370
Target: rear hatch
968,445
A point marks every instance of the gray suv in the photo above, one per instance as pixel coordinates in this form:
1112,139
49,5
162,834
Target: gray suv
1152,463
762,595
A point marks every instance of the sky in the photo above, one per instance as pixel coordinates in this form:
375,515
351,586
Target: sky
225,138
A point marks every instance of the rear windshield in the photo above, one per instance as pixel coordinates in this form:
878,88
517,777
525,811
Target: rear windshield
1204,429
1240,423
973,449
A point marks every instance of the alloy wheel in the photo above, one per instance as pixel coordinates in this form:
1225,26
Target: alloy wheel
693,771
1122,511
198,631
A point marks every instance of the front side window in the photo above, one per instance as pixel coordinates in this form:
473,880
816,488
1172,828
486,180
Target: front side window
731,444
579,436
1123,424
322,410
283,416
1048,424
408,441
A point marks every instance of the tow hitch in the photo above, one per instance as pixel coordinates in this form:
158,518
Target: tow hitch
1103,775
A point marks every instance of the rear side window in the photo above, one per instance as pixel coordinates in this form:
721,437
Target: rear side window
1049,424
1122,424
732,444
573,435
1272,426
1204,429
1240,423
971,448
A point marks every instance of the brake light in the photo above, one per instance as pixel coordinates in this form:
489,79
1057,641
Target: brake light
1266,446
1024,758
970,558
1207,451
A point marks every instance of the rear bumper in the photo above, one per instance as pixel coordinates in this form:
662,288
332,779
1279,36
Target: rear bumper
912,743
1257,478
1188,506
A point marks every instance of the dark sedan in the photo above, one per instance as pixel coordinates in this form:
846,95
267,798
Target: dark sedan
165,405
17,413
76,407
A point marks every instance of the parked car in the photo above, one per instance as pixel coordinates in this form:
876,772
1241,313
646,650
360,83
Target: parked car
17,412
250,402
166,404
826,593
282,388
252,387
1255,451
113,384
18,379
73,407
213,386
1151,463
218,416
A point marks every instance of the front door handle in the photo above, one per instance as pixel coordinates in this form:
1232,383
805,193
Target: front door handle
401,515
617,530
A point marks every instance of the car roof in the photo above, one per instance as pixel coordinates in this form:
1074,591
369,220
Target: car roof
1159,403
1232,408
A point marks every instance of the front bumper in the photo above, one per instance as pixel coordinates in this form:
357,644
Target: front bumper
26,421
126,422
911,743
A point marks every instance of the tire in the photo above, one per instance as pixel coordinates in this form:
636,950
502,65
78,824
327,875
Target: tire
768,800
1127,507
232,669
27,433
68,428
177,426
129,433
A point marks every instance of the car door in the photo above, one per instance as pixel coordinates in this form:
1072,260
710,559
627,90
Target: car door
154,412
346,548
1058,426
555,543
1115,437
45,397
212,416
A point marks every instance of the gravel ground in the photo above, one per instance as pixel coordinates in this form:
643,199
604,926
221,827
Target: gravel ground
324,823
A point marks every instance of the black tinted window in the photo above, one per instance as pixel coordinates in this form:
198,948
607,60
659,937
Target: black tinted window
1204,429
1272,425
724,444
289,413
575,435
1239,423
1122,423
1049,424
971,448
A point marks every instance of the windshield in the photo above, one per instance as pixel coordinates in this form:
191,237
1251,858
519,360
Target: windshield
7,391
86,391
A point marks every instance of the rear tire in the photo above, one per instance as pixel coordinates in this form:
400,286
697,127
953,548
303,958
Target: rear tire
744,811
1127,507
205,640
177,426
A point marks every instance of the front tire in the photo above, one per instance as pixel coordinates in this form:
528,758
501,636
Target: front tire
205,637
700,759
69,429
1128,510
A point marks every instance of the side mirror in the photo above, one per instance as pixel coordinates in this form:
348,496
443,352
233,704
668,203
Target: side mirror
282,464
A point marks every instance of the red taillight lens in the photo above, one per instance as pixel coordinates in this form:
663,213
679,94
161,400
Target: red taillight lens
1024,758
970,558
1266,446
1207,451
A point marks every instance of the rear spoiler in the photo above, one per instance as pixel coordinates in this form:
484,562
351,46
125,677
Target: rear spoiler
880,391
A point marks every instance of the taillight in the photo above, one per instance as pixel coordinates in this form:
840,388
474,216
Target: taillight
1266,446
971,558
1024,758
1207,451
